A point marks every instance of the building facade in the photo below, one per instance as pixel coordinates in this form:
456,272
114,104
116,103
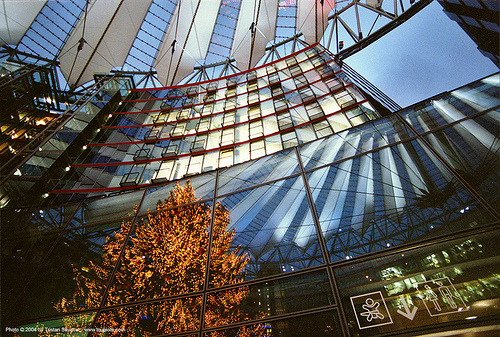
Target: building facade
292,198
480,20
353,224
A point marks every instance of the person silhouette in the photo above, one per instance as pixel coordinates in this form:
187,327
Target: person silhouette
431,296
447,295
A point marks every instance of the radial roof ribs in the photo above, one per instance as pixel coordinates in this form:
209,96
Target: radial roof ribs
173,37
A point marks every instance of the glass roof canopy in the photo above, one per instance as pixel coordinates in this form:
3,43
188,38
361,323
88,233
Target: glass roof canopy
156,38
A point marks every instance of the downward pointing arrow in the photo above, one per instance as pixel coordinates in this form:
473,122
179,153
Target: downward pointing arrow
407,313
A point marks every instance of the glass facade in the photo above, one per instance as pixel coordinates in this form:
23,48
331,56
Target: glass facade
479,19
312,215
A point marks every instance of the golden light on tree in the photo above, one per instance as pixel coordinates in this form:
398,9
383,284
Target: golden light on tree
165,255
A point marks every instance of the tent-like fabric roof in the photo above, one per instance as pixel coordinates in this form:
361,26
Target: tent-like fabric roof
171,37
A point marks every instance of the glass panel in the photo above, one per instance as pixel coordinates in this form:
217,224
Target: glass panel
152,319
226,158
265,169
385,131
180,168
229,117
274,227
164,171
195,165
211,161
172,149
453,107
289,139
423,117
322,129
292,294
166,254
200,143
454,282
305,134
480,95
392,196
227,137
472,148
363,138
204,124
344,99
17,223
257,149
113,207
241,153
21,259
58,270
325,324
73,325
256,129
325,151
273,144
203,186
242,133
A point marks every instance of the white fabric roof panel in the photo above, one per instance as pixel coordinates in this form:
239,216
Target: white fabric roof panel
192,39
110,29
264,14
312,18
15,19
137,35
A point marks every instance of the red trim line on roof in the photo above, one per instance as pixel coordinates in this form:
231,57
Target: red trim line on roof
215,114
217,148
274,113
229,76
219,88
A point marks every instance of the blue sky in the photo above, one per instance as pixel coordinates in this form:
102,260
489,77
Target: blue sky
425,56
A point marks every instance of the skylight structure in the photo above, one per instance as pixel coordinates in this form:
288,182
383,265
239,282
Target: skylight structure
168,38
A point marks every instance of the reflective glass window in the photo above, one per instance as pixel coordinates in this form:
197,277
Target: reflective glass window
152,319
274,228
275,166
325,324
46,270
431,286
472,148
267,299
166,253
392,196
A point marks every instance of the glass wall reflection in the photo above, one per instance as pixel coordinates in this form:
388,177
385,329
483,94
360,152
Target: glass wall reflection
253,244
455,281
388,197
273,224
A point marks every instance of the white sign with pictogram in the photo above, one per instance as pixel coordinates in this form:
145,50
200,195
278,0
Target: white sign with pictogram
440,297
371,310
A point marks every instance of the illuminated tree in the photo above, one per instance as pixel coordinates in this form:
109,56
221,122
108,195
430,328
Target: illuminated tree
165,255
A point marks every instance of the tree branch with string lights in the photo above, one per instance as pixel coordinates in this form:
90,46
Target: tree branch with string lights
165,255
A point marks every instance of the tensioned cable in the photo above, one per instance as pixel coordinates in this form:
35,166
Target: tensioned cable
6,20
174,42
253,29
185,42
80,43
176,5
